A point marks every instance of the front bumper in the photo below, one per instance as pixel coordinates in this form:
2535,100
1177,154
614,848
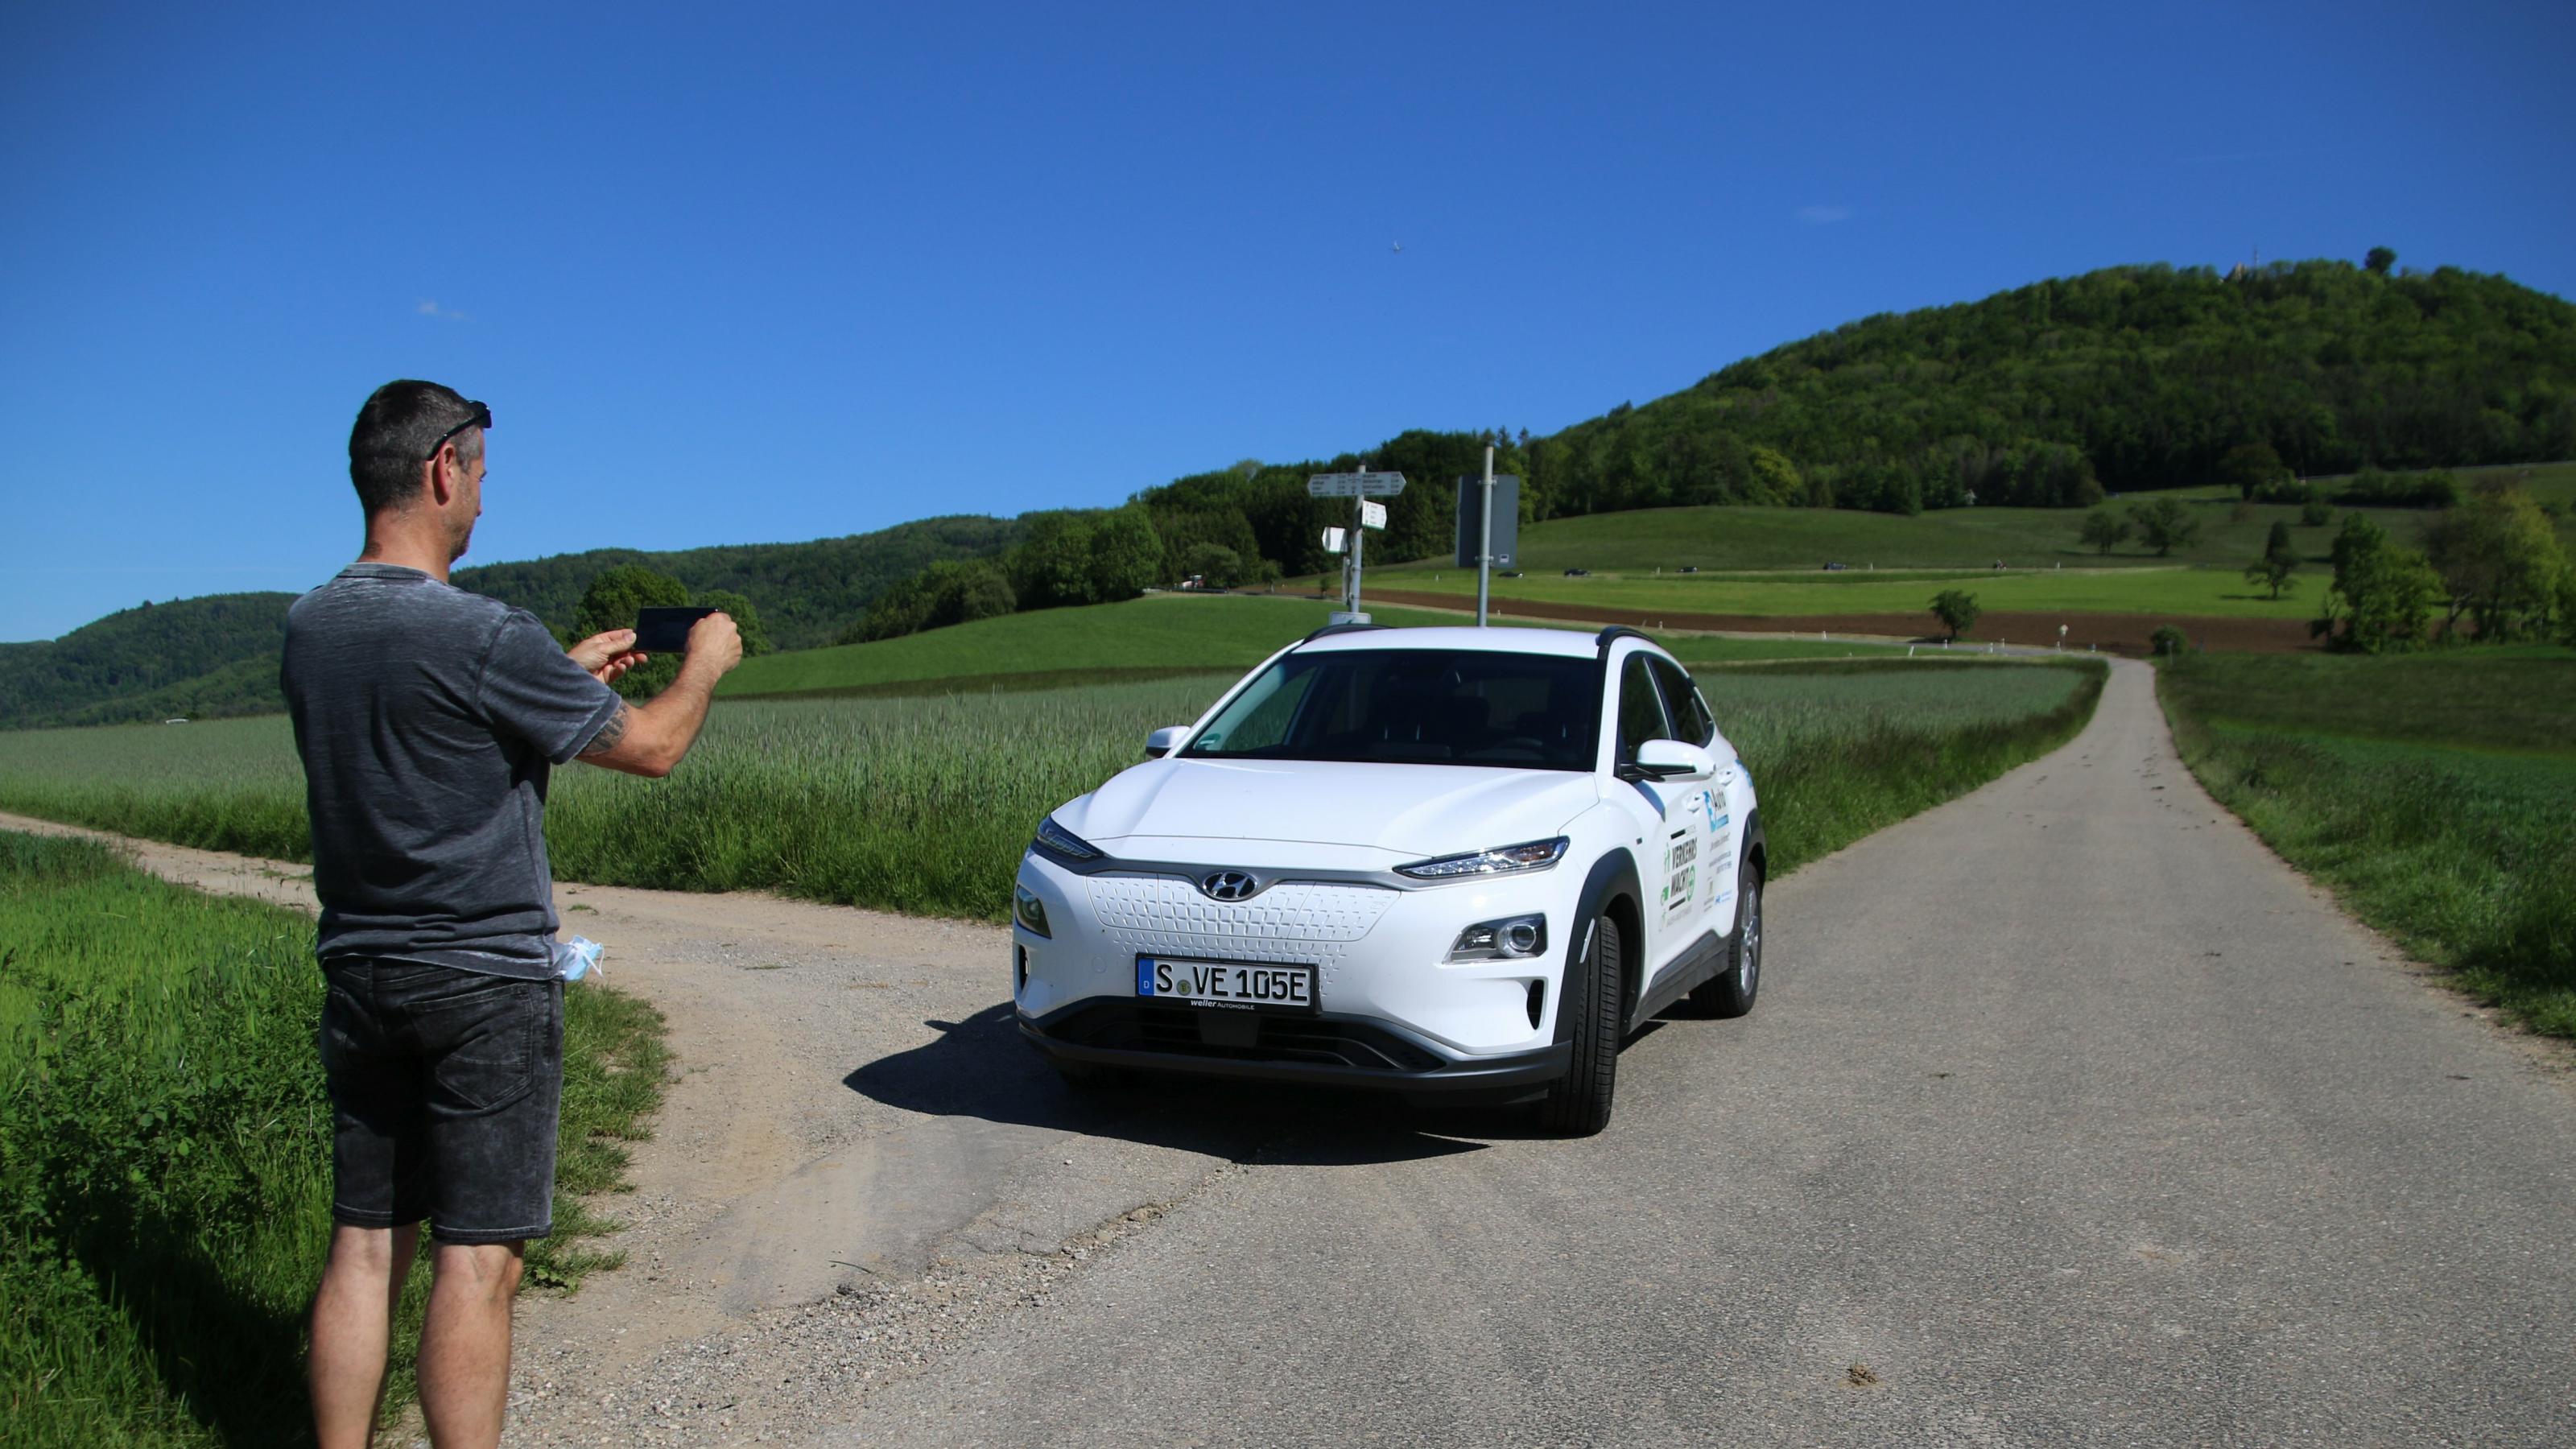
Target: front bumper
1392,1011
1324,1050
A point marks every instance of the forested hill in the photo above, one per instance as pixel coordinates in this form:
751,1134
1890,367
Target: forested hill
217,655
2142,377
806,592
2124,379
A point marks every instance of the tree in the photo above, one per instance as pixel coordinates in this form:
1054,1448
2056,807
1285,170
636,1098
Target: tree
2378,260
2278,563
2249,466
1052,568
2500,562
1219,566
952,591
2165,525
612,601
1956,609
2168,641
1126,555
746,619
2104,530
2382,594
2316,514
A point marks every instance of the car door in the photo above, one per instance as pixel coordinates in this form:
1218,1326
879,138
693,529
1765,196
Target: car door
1669,828
1714,802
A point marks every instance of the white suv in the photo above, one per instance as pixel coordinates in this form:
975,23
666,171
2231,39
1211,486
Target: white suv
1442,861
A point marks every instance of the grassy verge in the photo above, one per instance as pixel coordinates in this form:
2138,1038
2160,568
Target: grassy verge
2430,792
165,1154
924,804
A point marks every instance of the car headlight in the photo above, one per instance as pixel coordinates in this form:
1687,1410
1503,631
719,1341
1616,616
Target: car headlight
1064,842
1513,939
1029,911
1501,860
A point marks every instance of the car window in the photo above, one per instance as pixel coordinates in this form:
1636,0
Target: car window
1261,718
1691,721
1641,711
1414,706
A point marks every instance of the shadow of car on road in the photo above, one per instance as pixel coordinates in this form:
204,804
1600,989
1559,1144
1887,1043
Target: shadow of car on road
980,1067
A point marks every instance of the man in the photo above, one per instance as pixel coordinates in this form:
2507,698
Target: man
428,719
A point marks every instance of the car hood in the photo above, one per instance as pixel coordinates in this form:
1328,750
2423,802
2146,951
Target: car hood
1416,811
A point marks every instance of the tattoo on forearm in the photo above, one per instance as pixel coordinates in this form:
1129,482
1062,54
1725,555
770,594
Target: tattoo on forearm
611,732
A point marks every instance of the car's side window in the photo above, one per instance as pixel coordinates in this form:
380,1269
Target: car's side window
1691,721
1641,712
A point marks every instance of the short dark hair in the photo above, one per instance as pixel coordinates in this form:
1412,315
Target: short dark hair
397,430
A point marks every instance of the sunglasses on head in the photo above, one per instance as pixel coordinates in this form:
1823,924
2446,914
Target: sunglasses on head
482,418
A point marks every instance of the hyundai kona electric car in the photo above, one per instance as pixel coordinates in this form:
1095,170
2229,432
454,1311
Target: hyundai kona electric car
1460,862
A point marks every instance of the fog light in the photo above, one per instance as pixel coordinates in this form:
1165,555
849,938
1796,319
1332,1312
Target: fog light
1020,963
1029,911
1537,1002
1504,940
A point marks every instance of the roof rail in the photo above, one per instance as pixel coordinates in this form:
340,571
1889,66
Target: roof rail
1339,629
1617,632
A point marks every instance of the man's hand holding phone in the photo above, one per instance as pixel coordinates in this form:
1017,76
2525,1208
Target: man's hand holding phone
714,642
607,655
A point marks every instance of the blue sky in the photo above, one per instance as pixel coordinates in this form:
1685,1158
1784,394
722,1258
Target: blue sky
752,273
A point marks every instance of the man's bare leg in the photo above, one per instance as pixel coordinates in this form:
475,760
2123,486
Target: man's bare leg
465,1344
353,1316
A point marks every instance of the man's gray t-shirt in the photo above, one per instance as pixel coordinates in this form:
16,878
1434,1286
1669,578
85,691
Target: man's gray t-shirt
428,719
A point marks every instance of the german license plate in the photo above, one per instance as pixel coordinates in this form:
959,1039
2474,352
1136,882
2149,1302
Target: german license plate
1257,985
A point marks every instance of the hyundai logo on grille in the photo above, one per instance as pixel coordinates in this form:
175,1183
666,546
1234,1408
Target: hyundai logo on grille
1228,885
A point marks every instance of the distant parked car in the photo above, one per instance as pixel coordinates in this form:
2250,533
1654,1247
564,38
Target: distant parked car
1578,573
1435,862
1835,568
1690,568
1514,574
174,721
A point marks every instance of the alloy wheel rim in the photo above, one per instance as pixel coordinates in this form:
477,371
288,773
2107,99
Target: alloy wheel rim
1752,937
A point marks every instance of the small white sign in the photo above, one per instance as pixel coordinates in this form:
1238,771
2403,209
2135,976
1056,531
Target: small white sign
1372,515
1333,540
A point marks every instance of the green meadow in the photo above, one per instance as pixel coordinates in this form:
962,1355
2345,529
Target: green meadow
924,803
165,1154
1155,637
2178,591
2430,791
1723,538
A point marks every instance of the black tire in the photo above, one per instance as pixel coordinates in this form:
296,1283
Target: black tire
1730,991
1578,1104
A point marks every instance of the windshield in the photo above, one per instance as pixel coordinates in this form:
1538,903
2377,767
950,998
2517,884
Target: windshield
1414,707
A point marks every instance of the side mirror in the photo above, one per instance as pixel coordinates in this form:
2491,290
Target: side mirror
1165,740
1670,760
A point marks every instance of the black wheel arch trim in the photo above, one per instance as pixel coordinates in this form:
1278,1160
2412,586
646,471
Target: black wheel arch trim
1614,874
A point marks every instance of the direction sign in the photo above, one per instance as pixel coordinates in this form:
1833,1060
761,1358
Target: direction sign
1355,485
1372,515
1332,540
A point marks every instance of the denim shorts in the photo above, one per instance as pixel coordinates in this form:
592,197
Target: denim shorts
445,1088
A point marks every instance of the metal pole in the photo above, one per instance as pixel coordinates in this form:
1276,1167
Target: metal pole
1485,544
1352,604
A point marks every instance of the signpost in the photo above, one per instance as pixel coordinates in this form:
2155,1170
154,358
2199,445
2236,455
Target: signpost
1489,528
1358,487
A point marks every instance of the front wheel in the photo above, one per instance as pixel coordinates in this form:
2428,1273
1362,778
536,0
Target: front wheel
1578,1104
1730,991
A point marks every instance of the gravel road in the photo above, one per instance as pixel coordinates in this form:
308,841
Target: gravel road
2068,1114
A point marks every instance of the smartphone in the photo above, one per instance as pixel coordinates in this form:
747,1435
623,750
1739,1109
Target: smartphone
666,630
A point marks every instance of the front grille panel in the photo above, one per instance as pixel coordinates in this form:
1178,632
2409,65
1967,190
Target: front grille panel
1166,915
1183,1031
